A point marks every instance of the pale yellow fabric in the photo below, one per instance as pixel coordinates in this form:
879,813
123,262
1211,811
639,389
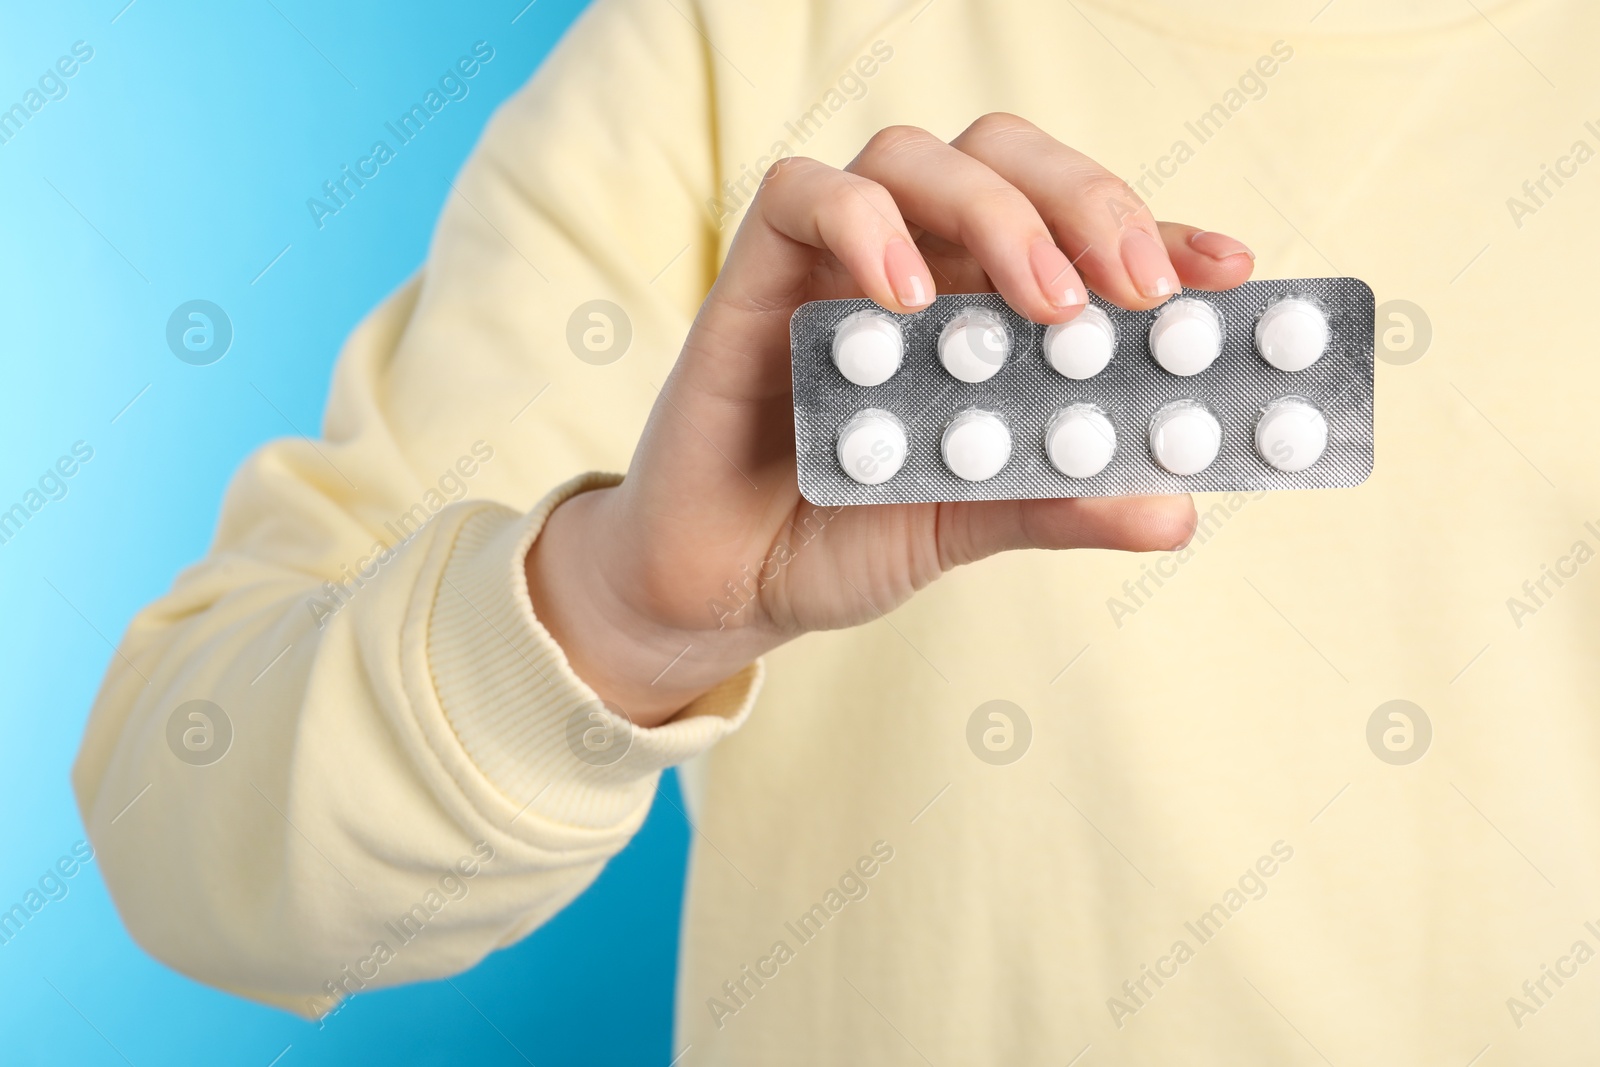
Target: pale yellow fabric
1218,729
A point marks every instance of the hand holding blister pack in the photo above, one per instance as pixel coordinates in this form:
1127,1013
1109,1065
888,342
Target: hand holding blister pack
1265,386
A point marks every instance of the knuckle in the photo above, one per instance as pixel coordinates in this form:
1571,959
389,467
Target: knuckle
856,196
998,124
788,169
895,140
787,179
1103,187
869,194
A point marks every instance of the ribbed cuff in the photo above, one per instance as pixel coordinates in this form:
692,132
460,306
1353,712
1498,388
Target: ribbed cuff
531,725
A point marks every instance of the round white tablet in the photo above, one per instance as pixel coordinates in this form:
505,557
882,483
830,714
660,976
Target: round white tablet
1185,437
1081,348
974,345
1291,434
872,446
1186,337
1292,334
868,347
976,444
1080,440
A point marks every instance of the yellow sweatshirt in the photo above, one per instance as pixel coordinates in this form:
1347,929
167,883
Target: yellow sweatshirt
1220,844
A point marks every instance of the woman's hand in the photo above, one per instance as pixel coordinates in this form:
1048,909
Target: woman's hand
628,580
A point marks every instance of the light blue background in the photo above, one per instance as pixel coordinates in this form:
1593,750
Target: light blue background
181,160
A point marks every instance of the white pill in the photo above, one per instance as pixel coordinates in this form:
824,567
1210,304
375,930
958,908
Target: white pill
1185,437
1292,334
976,444
1186,337
868,347
1291,434
974,345
1081,348
872,446
1080,440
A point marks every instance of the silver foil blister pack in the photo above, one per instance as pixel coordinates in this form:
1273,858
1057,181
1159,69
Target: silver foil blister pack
1027,411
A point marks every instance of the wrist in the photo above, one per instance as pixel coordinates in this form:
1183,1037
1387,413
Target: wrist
642,666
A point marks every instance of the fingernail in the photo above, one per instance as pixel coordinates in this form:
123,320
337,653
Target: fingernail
908,275
1148,265
1053,271
1218,245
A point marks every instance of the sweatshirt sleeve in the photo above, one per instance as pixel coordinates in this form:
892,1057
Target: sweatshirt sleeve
345,726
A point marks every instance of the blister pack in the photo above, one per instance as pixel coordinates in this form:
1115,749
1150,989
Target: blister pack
1266,386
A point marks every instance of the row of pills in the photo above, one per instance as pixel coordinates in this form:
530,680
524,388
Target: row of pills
1184,437
1185,338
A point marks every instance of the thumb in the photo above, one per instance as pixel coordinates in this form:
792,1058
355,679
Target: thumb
970,531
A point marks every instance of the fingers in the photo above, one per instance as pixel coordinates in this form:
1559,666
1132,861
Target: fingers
804,207
1206,260
803,214
958,198
972,531
995,210
1101,223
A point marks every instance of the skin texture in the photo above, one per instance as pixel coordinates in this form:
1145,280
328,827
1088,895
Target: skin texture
623,577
